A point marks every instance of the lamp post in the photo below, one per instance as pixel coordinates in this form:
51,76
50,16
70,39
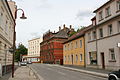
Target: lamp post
14,36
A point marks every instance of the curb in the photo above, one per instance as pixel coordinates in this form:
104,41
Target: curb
36,74
85,71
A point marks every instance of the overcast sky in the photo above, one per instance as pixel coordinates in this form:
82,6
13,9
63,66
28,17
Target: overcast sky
43,15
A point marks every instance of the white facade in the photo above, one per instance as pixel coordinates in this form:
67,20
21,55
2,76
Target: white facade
103,51
6,33
34,49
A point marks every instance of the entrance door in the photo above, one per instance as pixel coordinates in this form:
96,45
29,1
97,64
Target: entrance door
72,58
103,60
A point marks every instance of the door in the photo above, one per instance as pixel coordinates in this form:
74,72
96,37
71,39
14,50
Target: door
103,60
72,58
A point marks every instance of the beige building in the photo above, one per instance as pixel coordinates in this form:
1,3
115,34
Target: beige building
6,35
34,50
103,37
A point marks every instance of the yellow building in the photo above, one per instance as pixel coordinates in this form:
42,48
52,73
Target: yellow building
74,49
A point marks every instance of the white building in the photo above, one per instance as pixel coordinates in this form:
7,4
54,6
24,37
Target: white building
7,23
34,50
103,36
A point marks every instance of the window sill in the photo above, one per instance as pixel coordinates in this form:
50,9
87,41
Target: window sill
117,11
101,19
112,60
108,16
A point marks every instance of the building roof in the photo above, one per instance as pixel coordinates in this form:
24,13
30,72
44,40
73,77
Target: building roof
62,33
78,34
103,5
34,39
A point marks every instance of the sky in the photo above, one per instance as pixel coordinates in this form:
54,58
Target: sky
44,15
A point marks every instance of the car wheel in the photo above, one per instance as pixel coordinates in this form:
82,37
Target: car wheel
112,78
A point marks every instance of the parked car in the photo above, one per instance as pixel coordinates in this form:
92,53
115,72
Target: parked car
115,75
23,63
29,62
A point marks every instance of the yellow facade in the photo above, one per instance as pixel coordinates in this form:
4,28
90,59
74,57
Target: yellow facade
73,52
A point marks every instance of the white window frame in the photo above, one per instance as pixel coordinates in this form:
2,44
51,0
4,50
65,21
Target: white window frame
100,35
118,26
112,54
80,43
94,35
107,11
110,29
81,57
118,5
100,15
89,36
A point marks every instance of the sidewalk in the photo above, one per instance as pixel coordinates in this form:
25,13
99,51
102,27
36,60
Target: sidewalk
23,73
92,71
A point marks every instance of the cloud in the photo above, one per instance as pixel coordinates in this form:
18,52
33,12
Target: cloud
35,35
82,14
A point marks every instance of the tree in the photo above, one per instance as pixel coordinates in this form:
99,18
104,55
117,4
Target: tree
81,28
21,50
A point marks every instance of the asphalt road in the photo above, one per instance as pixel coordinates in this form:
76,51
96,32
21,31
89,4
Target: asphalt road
50,72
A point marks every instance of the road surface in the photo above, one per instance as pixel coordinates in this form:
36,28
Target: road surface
51,72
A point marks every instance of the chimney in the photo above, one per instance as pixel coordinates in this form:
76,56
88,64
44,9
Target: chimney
70,27
64,26
59,28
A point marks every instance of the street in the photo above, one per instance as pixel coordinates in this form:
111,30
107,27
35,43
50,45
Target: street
51,72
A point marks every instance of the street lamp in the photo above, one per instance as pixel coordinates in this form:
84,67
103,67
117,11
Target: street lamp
14,36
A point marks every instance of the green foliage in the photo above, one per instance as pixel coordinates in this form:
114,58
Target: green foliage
21,50
72,33
81,28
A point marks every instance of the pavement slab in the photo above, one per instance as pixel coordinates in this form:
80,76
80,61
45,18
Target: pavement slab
23,73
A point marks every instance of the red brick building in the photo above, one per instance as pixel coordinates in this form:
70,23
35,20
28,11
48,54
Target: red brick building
52,47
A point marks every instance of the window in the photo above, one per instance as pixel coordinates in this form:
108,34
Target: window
118,5
118,26
1,19
68,46
71,45
65,58
100,32
108,13
93,57
80,43
0,46
94,35
68,58
76,57
100,15
65,47
112,54
89,36
110,29
81,57
76,44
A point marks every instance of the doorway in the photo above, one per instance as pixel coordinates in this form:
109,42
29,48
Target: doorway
72,59
103,60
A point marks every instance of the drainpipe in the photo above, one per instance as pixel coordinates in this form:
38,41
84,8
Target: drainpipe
96,47
84,52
